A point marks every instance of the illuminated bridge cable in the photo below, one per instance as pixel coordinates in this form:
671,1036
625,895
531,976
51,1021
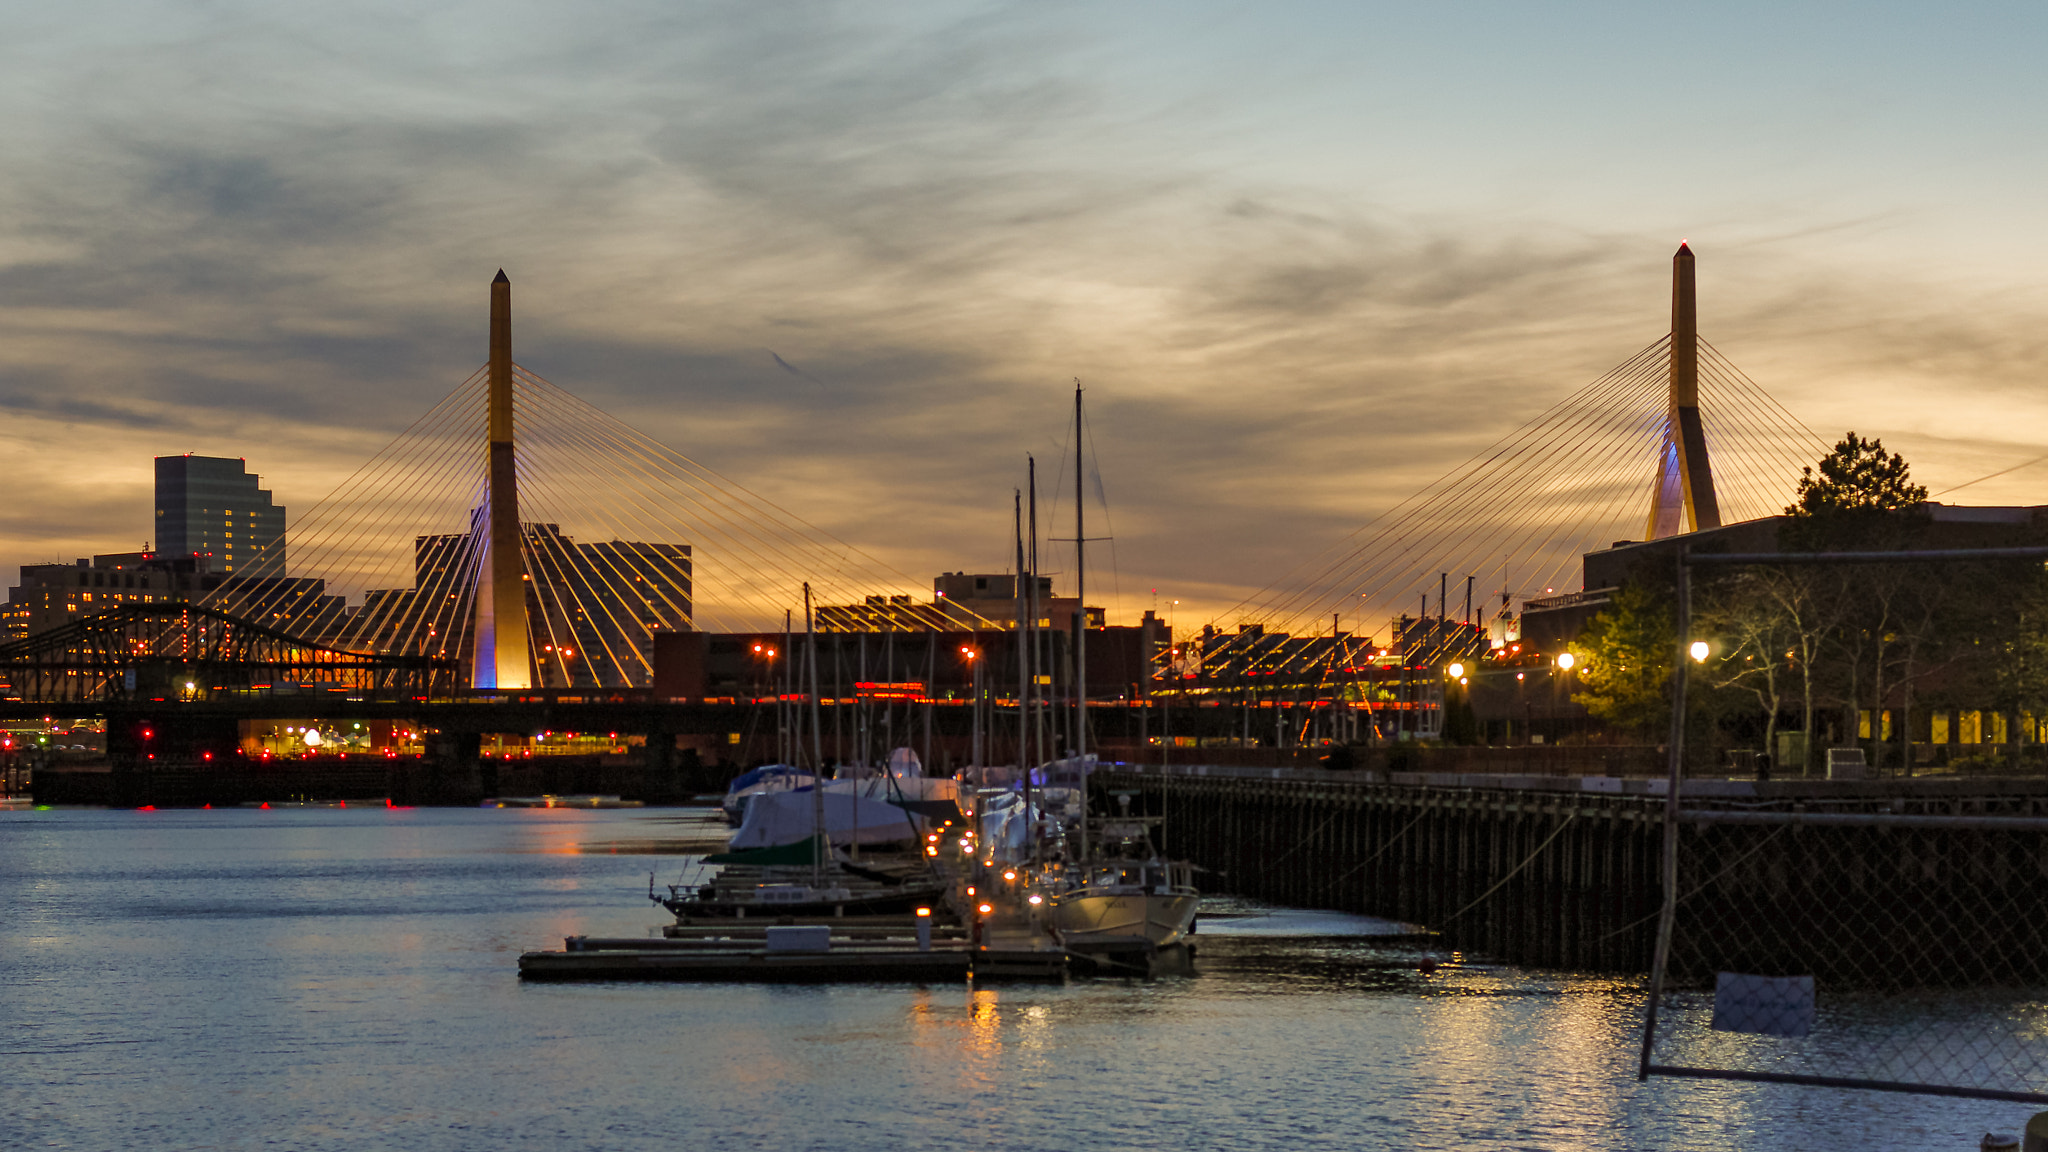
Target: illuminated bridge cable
1572,480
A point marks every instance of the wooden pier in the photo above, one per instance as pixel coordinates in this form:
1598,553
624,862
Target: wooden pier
1563,872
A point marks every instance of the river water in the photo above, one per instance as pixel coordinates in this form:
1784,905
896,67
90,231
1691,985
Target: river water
314,978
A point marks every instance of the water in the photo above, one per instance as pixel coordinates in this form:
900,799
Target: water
317,979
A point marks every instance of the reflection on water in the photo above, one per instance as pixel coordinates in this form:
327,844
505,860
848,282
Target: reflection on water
345,978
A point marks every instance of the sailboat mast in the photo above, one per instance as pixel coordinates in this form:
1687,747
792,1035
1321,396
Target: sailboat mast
820,843
1080,592
1023,675
1038,658
1080,622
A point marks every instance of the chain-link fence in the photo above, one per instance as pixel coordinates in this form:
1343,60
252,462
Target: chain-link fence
1854,940
1860,948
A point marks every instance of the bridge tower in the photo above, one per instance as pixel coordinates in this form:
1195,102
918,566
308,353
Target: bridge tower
503,656
1683,498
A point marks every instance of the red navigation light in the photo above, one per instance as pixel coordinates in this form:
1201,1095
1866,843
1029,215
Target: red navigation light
148,734
206,756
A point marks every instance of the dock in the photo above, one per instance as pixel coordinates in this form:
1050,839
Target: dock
863,949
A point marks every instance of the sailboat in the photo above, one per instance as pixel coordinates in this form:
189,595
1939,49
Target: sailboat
1115,895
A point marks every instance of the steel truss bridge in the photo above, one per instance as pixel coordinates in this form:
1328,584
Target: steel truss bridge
143,653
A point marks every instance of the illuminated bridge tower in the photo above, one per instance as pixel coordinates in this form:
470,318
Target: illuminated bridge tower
1683,499
503,655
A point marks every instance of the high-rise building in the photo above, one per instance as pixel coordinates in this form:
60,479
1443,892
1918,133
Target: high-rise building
210,508
593,609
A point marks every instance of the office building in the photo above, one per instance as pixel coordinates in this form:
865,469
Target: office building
210,508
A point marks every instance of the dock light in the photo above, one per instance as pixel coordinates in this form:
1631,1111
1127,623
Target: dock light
986,909
924,911
1010,874
930,851
970,889
966,845
1699,651
1035,900
1565,660
1456,670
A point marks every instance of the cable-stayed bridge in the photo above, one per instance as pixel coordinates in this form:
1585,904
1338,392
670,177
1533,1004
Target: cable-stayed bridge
516,539
542,543
1673,439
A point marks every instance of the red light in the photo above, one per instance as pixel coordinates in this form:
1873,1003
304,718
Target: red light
147,808
266,803
147,734
206,756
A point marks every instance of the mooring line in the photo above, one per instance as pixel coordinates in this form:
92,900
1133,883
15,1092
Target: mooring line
1518,869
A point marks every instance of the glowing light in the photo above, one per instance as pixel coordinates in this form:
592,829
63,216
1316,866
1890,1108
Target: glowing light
1010,874
986,909
1457,670
1565,660
1035,900
1699,651
924,911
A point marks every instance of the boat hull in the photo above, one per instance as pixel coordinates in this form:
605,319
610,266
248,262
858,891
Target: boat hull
1161,919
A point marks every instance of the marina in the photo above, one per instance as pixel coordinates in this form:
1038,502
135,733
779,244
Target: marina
322,970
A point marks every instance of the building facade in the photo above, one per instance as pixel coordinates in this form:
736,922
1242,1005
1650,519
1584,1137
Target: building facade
212,509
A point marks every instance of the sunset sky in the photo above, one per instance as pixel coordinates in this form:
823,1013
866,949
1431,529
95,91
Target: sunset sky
1305,257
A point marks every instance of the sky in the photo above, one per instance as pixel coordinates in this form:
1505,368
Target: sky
1304,257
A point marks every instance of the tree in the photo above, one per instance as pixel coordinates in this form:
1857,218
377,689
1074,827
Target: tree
1627,670
1862,497
1858,475
1762,620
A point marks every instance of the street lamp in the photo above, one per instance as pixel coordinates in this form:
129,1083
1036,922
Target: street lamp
1699,651
1566,660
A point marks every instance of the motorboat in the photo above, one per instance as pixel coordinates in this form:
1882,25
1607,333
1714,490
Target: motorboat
1125,902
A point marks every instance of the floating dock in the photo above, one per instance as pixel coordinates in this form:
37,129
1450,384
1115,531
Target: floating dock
852,949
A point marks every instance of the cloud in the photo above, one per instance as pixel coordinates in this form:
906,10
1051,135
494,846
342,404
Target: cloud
266,234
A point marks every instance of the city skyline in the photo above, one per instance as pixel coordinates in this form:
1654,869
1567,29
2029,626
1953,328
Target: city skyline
1305,260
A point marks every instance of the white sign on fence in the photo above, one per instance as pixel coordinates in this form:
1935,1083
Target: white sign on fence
1768,1005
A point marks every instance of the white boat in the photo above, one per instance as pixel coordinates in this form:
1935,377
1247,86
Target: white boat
1122,902
766,779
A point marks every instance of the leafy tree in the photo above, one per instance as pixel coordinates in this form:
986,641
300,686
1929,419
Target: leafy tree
1878,619
1858,475
1627,668
1861,497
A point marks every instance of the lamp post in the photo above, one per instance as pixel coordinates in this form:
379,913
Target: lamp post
974,680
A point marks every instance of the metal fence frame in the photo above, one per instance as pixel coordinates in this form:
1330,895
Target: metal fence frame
1674,816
